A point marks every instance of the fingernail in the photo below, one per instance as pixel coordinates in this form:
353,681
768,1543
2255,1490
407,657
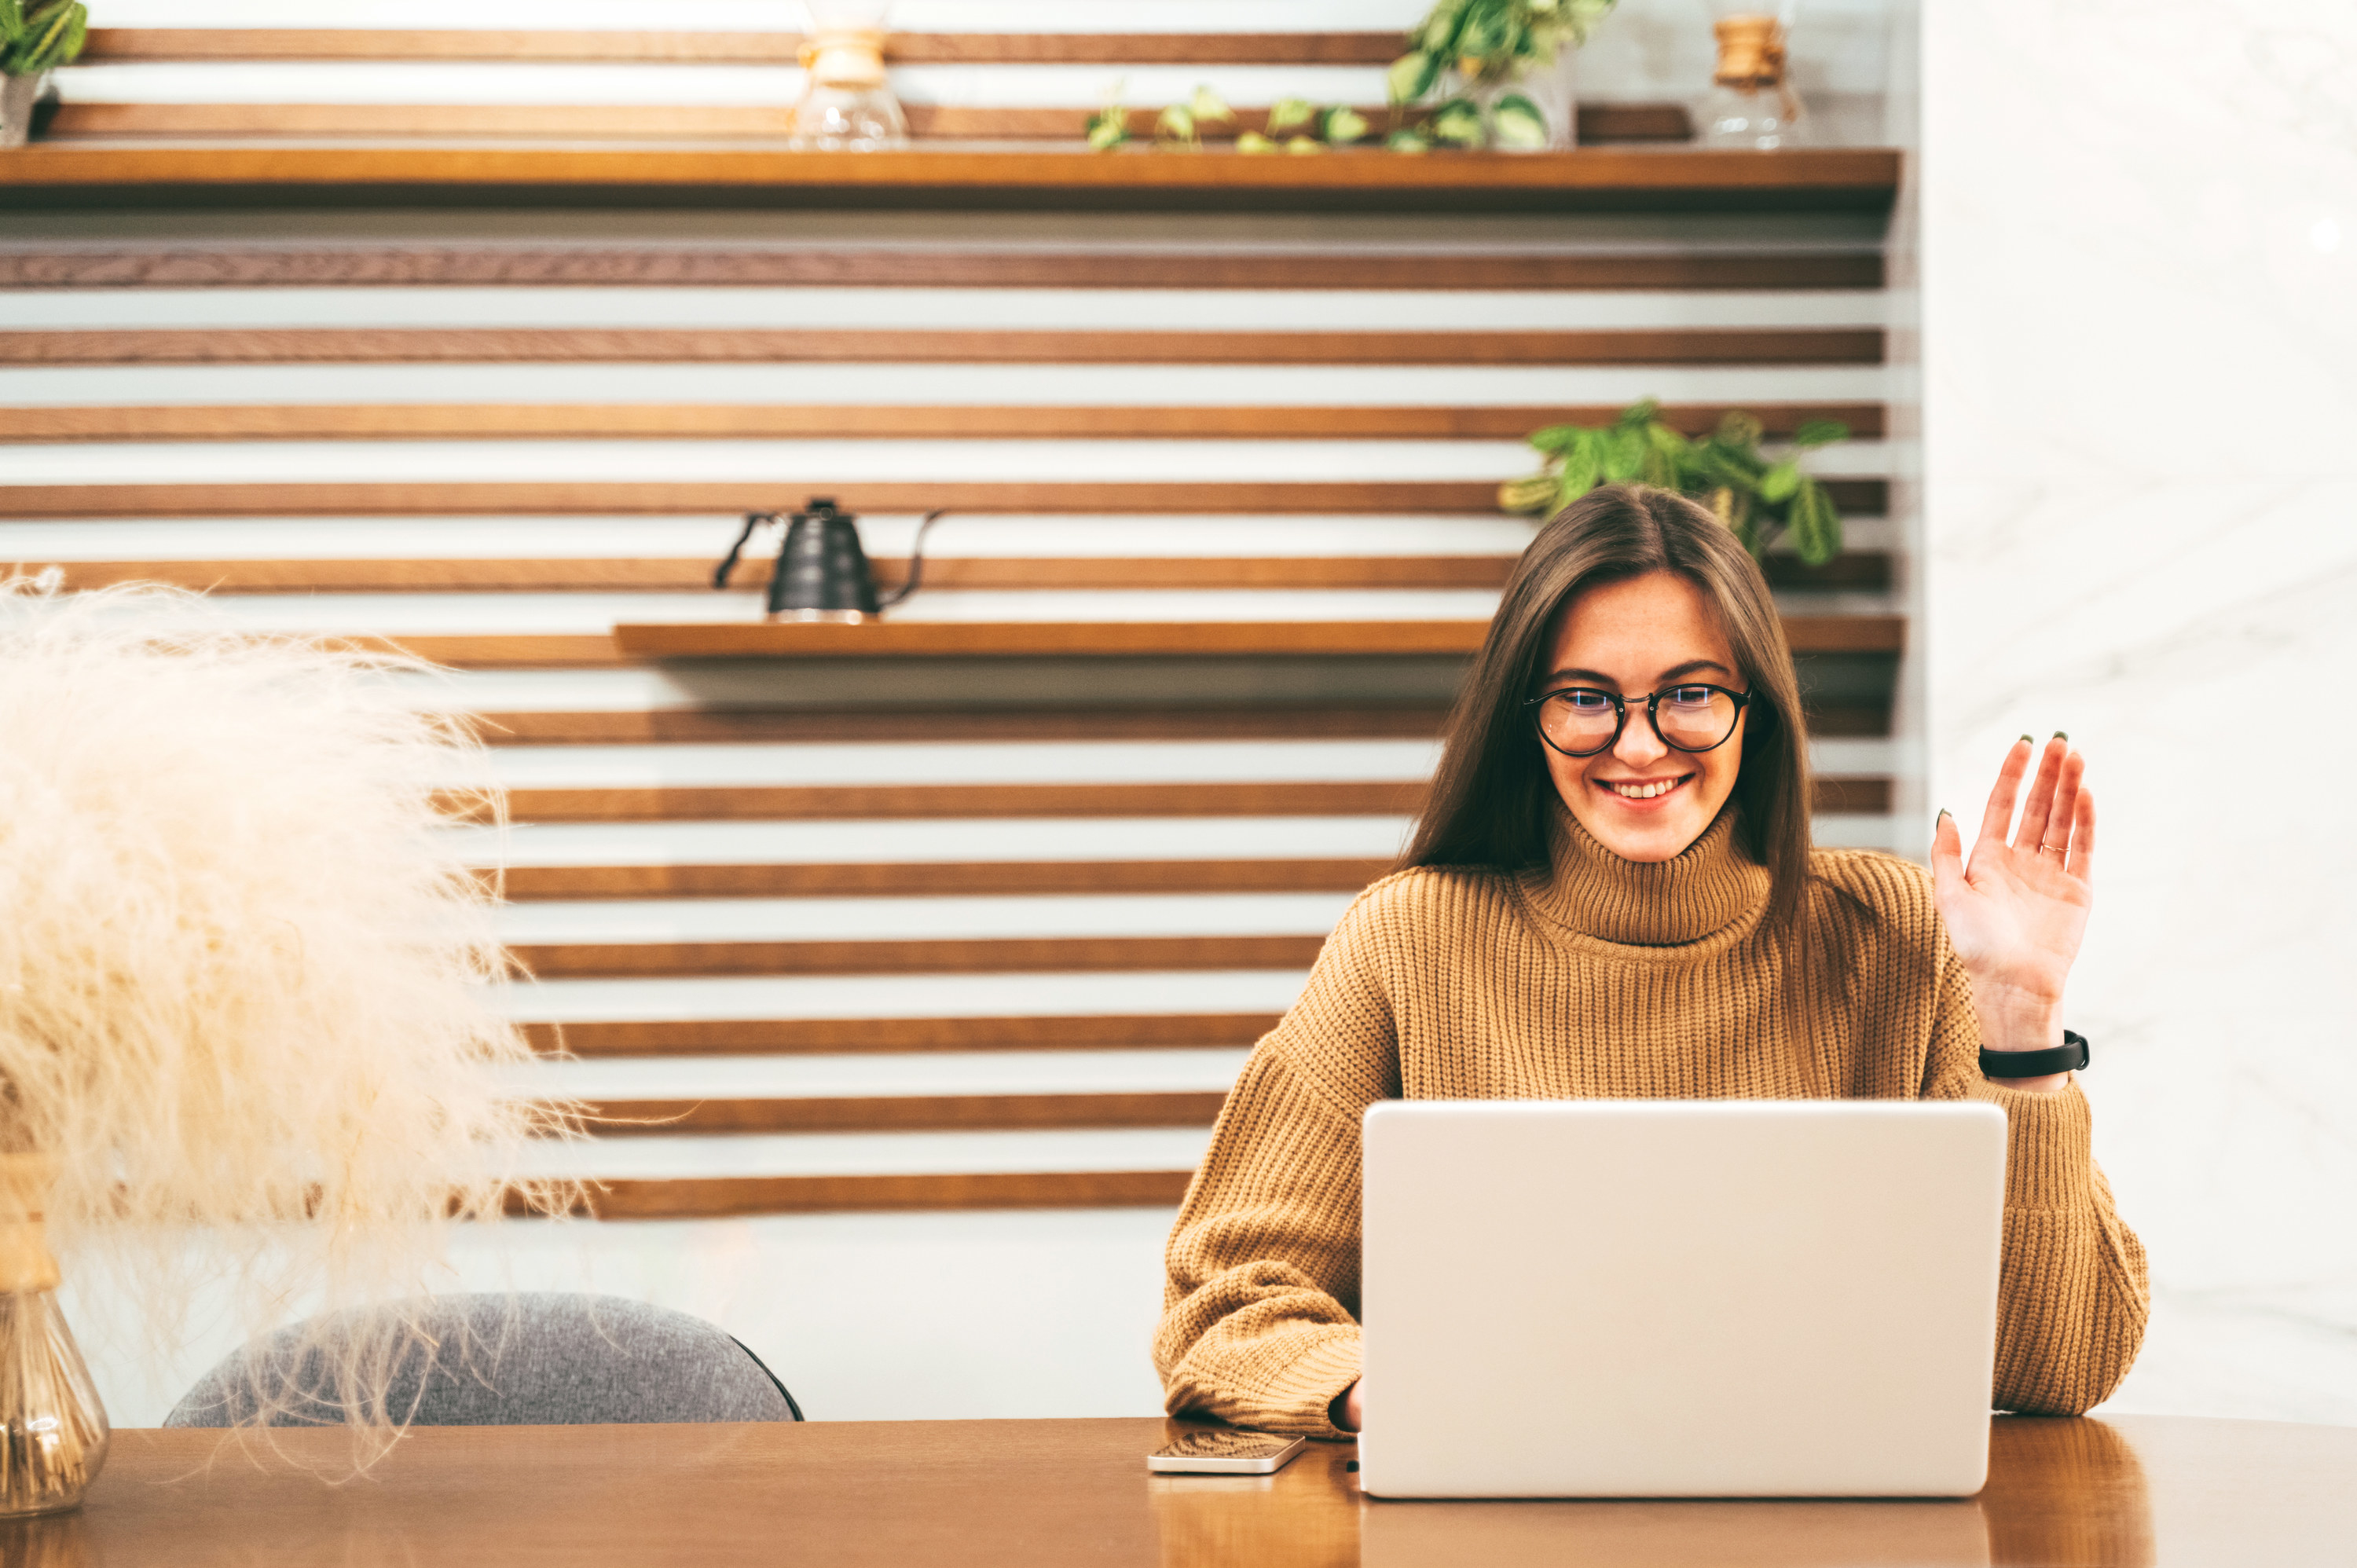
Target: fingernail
1935,821
2061,736
2026,741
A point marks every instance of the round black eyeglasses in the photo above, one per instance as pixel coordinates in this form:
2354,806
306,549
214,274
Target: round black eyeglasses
1580,720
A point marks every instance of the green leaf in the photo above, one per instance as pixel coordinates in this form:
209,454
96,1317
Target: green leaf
1411,76
1108,128
1210,108
1777,485
1528,495
1407,140
1518,124
1558,437
1289,114
1342,127
1639,413
1624,455
1253,142
1820,433
1815,524
1740,430
1177,123
1458,121
1305,145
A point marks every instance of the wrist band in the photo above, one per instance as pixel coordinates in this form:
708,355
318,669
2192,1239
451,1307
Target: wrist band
2069,1056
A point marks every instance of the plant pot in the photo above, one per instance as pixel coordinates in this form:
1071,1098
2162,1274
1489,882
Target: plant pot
19,96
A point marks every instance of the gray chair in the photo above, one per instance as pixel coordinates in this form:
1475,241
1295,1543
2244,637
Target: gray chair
527,1359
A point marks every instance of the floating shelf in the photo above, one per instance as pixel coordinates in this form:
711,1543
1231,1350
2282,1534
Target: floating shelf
1592,179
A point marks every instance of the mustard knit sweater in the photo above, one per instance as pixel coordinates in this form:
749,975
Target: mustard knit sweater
1611,979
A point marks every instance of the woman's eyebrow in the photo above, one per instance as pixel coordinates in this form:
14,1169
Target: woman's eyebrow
1674,673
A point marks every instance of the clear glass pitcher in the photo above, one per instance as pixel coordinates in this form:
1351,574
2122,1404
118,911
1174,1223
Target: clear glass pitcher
53,1430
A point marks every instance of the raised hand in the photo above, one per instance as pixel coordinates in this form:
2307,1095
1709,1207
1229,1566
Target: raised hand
2016,915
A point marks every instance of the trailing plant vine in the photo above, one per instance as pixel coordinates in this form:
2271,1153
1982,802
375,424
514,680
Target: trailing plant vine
1485,43
1762,497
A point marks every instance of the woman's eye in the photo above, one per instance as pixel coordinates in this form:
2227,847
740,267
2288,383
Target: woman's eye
1690,696
1587,702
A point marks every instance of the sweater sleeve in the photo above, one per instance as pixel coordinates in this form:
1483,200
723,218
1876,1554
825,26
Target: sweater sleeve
1259,1325
2071,1290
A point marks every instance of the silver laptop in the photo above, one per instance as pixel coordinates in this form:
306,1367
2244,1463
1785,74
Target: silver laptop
1679,1298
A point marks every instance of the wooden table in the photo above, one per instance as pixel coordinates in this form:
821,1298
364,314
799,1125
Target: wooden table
1046,1493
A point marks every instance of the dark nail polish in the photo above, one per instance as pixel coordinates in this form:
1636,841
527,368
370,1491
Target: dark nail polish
2061,736
2026,741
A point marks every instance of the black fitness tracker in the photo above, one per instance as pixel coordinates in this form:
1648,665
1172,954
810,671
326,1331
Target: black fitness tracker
2069,1056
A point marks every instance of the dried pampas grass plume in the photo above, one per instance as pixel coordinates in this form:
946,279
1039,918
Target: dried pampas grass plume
245,1000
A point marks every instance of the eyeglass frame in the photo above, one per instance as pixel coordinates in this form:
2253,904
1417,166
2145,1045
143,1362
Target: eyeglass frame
1652,701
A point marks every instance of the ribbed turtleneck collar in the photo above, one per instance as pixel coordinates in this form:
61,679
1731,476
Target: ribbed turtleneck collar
1708,886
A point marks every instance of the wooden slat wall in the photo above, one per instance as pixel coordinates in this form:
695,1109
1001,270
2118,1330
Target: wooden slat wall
210,469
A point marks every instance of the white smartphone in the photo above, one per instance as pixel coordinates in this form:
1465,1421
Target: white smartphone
1223,1451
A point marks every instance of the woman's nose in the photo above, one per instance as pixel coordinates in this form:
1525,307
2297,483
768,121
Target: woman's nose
1639,746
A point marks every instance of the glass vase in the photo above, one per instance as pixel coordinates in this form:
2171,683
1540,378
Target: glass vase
1750,104
847,104
1552,89
53,1430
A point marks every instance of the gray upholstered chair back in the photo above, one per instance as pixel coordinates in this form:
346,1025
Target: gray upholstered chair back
528,1359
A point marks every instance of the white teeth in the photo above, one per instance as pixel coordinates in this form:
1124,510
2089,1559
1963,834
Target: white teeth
1642,791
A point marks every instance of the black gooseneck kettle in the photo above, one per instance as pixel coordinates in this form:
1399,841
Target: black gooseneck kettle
821,572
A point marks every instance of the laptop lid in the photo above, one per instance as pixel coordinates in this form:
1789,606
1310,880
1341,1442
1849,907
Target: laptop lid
1675,1298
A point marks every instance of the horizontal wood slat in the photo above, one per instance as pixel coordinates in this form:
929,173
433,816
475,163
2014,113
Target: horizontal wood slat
1010,955
404,345
194,264
478,421
888,802
127,44
704,726
1599,124
903,1113
1857,570
915,638
935,879
897,801
68,174
560,498
720,1198
542,575
962,640
846,1036
656,726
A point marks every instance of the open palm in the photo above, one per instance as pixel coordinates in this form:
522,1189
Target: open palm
2017,913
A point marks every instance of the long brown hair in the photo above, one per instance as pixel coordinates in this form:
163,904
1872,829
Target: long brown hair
1486,807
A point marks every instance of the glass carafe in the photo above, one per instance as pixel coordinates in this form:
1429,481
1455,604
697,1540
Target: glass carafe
1751,104
53,1430
847,105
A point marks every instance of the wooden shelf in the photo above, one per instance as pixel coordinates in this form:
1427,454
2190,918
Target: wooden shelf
1591,179
1002,640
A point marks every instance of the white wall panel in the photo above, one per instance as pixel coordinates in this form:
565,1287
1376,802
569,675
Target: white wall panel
2131,209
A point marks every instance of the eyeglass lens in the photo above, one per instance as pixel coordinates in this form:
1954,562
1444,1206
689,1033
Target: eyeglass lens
1690,718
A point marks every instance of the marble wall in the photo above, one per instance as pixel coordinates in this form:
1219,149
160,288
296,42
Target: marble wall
2139,330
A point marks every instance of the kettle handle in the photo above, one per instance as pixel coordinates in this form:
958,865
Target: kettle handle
753,520
916,561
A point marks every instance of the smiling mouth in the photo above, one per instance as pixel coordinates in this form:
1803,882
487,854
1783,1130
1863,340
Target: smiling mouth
1645,788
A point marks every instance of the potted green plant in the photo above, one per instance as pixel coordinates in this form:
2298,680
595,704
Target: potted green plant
35,37
1762,496
1497,73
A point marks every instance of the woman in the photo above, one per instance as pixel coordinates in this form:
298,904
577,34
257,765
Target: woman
1612,894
